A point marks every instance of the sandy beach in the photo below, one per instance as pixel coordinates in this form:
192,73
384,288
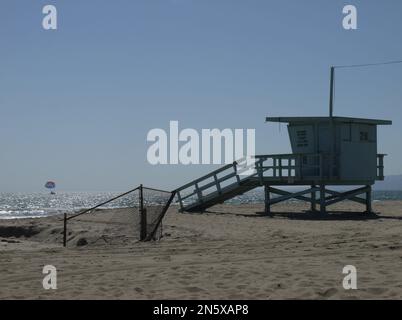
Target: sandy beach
230,252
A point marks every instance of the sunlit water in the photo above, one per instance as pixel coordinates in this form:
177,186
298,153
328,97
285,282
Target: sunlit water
29,205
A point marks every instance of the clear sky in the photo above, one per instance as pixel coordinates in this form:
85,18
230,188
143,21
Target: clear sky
76,104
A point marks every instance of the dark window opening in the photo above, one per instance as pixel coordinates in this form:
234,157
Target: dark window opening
302,138
363,136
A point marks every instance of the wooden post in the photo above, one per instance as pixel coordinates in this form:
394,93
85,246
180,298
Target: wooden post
199,193
267,199
218,187
322,199
65,231
300,165
260,171
313,199
369,208
380,167
235,170
143,216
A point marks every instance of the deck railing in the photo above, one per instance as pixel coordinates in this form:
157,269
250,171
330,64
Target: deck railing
292,166
380,166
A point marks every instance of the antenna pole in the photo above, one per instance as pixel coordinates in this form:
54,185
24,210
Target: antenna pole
332,161
331,94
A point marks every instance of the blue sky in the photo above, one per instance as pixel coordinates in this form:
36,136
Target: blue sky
76,104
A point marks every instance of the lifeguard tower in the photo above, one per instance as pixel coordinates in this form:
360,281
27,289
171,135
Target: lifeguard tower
326,151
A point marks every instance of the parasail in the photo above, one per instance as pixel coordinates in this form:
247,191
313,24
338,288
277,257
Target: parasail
50,185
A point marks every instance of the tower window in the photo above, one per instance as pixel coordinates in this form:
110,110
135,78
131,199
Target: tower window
302,138
363,136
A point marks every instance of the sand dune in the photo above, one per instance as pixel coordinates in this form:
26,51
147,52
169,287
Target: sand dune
231,252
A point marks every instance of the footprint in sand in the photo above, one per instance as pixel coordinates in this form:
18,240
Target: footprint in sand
328,293
241,287
377,291
194,289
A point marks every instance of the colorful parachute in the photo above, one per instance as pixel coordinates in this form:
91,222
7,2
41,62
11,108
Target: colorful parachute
50,185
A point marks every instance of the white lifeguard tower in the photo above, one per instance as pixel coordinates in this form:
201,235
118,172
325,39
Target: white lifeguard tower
326,151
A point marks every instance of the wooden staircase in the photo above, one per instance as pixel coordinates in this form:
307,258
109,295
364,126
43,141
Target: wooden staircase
225,194
240,177
217,186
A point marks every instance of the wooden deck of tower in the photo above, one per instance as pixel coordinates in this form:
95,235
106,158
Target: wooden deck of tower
326,151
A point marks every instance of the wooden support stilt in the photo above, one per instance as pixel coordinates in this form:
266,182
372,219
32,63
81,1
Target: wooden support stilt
313,199
369,208
322,199
267,199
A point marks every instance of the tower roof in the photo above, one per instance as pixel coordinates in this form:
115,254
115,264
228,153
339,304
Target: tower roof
327,119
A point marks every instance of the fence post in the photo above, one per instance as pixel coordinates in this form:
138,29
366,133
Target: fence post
143,216
65,231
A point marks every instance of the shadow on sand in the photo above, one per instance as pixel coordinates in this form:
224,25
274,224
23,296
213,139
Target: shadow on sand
314,216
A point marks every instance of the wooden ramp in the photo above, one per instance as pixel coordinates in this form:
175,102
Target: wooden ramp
226,193
237,178
218,186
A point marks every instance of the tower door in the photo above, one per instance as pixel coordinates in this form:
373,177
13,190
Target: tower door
325,146
324,139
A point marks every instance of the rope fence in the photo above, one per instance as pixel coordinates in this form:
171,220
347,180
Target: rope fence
141,210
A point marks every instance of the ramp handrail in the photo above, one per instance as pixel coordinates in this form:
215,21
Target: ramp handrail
236,168
209,175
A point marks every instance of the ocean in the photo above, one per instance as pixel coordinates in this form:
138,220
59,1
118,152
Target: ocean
36,205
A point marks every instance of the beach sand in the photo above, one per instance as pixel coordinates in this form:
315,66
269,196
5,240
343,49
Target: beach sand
230,252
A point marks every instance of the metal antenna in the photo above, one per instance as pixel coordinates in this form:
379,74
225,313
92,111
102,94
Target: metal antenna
331,94
332,83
